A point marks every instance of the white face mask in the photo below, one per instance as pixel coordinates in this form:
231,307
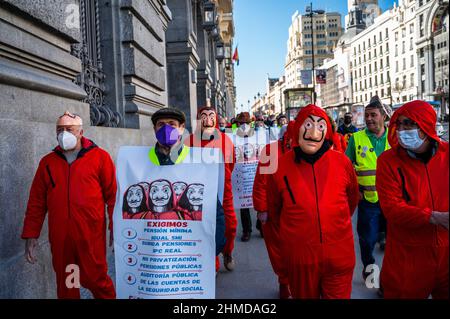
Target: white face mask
245,127
67,141
410,139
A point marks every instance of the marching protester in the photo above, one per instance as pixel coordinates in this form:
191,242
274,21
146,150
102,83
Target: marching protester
282,120
259,123
73,184
339,143
363,149
169,126
313,195
245,130
347,127
268,164
413,188
208,135
222,124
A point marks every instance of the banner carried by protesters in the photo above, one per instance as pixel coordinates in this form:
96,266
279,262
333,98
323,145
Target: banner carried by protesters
248,151
164,225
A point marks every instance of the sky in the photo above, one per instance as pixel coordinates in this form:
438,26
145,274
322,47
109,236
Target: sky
261,34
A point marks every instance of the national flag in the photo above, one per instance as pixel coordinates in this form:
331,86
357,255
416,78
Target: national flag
236,56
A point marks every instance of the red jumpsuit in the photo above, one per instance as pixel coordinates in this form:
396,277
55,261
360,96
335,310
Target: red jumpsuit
224,143
416,260
75,196
312,205
269,156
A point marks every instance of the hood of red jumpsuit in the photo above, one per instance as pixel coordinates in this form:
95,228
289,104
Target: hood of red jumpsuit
303,115
418,111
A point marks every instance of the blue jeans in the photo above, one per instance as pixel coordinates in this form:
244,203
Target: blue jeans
370,223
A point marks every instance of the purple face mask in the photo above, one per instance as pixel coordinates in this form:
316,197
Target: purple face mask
167,135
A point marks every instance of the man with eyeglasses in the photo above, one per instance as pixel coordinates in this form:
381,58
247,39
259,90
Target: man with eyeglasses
73,184
413,187
364,147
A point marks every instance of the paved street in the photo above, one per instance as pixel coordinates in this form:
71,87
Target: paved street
445,137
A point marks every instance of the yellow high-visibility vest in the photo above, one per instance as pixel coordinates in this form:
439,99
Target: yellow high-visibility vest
366,165
154,158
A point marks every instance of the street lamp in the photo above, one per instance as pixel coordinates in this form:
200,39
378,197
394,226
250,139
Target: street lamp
310,12
209,15
220,51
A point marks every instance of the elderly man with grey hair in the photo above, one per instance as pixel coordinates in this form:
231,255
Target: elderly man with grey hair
73,183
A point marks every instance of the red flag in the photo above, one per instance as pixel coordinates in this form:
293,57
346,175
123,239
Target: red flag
236,56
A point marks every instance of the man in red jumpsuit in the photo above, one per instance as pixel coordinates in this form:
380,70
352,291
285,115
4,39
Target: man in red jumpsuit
413,187
313,195
268,164
73,183
209,135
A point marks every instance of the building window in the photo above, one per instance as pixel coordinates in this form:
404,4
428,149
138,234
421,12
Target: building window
421,26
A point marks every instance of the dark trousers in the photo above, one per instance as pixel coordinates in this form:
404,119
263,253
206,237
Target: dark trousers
246,220
370,223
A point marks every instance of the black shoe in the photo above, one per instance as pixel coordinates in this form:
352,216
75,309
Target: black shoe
382,241
245,237
380,292
365,274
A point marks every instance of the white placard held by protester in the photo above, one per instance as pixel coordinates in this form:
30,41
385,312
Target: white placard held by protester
248,151
164,225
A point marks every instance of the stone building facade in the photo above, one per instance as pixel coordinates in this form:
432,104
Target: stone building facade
113,62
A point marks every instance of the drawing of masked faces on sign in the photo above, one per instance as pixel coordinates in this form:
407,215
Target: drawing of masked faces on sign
191,202
249,152
179,188
161,196
134,202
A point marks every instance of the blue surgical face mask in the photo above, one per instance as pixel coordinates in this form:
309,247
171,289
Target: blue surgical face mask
167,135
222,129
410,139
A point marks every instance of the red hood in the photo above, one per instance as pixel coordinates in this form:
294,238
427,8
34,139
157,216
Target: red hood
420,112
303,115
290,130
